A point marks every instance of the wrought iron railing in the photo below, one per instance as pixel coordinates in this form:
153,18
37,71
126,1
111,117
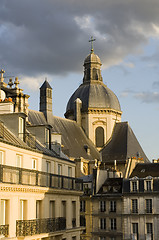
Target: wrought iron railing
73,222
23,176
38,226
4,230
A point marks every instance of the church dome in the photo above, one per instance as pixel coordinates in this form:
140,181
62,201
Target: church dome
94,95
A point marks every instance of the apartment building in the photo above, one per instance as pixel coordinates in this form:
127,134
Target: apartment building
39,194
141,203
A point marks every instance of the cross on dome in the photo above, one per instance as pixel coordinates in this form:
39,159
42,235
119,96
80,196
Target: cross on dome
92,40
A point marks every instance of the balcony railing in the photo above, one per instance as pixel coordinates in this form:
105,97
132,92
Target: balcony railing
4,230
38,226
23,176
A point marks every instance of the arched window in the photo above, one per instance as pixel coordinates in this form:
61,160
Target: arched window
99,134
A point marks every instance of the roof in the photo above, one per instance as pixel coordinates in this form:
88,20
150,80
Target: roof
111,185
73,137
94,95
93,58
36,118
46,85
122,145
143,170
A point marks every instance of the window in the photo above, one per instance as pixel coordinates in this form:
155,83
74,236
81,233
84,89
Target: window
148,205
63,214
73,214
134,186
18,161
112,206
82,206
3,211
134,204
1,157
48,170
113,223
148,185
38,209
103,223
102,206
69,172
135,228
34,164
52,209
47,137
23,209
149,230
21,128
99,134
59,169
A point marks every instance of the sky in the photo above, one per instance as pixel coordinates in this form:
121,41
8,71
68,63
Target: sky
49,39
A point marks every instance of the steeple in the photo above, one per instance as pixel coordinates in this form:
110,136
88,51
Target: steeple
46,98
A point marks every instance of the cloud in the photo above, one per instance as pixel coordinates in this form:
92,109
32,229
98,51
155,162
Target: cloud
148,97
156,84
39,37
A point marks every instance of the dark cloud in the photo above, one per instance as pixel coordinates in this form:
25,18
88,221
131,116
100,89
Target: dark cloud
38,37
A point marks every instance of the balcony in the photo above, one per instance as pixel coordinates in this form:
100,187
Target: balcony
38,226
23,176
4,230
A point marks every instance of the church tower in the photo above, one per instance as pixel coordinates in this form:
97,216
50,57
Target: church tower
46,98
99,106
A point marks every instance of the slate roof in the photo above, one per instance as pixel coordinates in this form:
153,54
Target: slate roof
112,183
122,145
73,137
94,95
143,170
46,85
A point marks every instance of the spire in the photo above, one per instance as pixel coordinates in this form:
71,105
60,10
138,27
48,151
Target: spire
92,40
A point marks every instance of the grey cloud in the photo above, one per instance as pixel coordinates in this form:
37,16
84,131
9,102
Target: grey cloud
38,37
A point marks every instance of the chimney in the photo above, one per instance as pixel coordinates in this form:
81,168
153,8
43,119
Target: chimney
78,105
46,98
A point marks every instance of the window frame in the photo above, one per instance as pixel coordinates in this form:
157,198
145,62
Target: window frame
134,205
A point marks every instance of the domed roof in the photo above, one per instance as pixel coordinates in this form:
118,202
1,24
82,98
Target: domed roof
92,58
94,96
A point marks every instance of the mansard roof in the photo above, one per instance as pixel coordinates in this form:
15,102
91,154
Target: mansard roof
122,145
143,170
74,139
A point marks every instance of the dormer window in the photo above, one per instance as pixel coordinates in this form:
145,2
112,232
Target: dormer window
21,128
47,138
148,184
134,184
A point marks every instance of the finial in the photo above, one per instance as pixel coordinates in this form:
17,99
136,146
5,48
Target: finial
10,83
1,77
16,82
45,78
92,40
